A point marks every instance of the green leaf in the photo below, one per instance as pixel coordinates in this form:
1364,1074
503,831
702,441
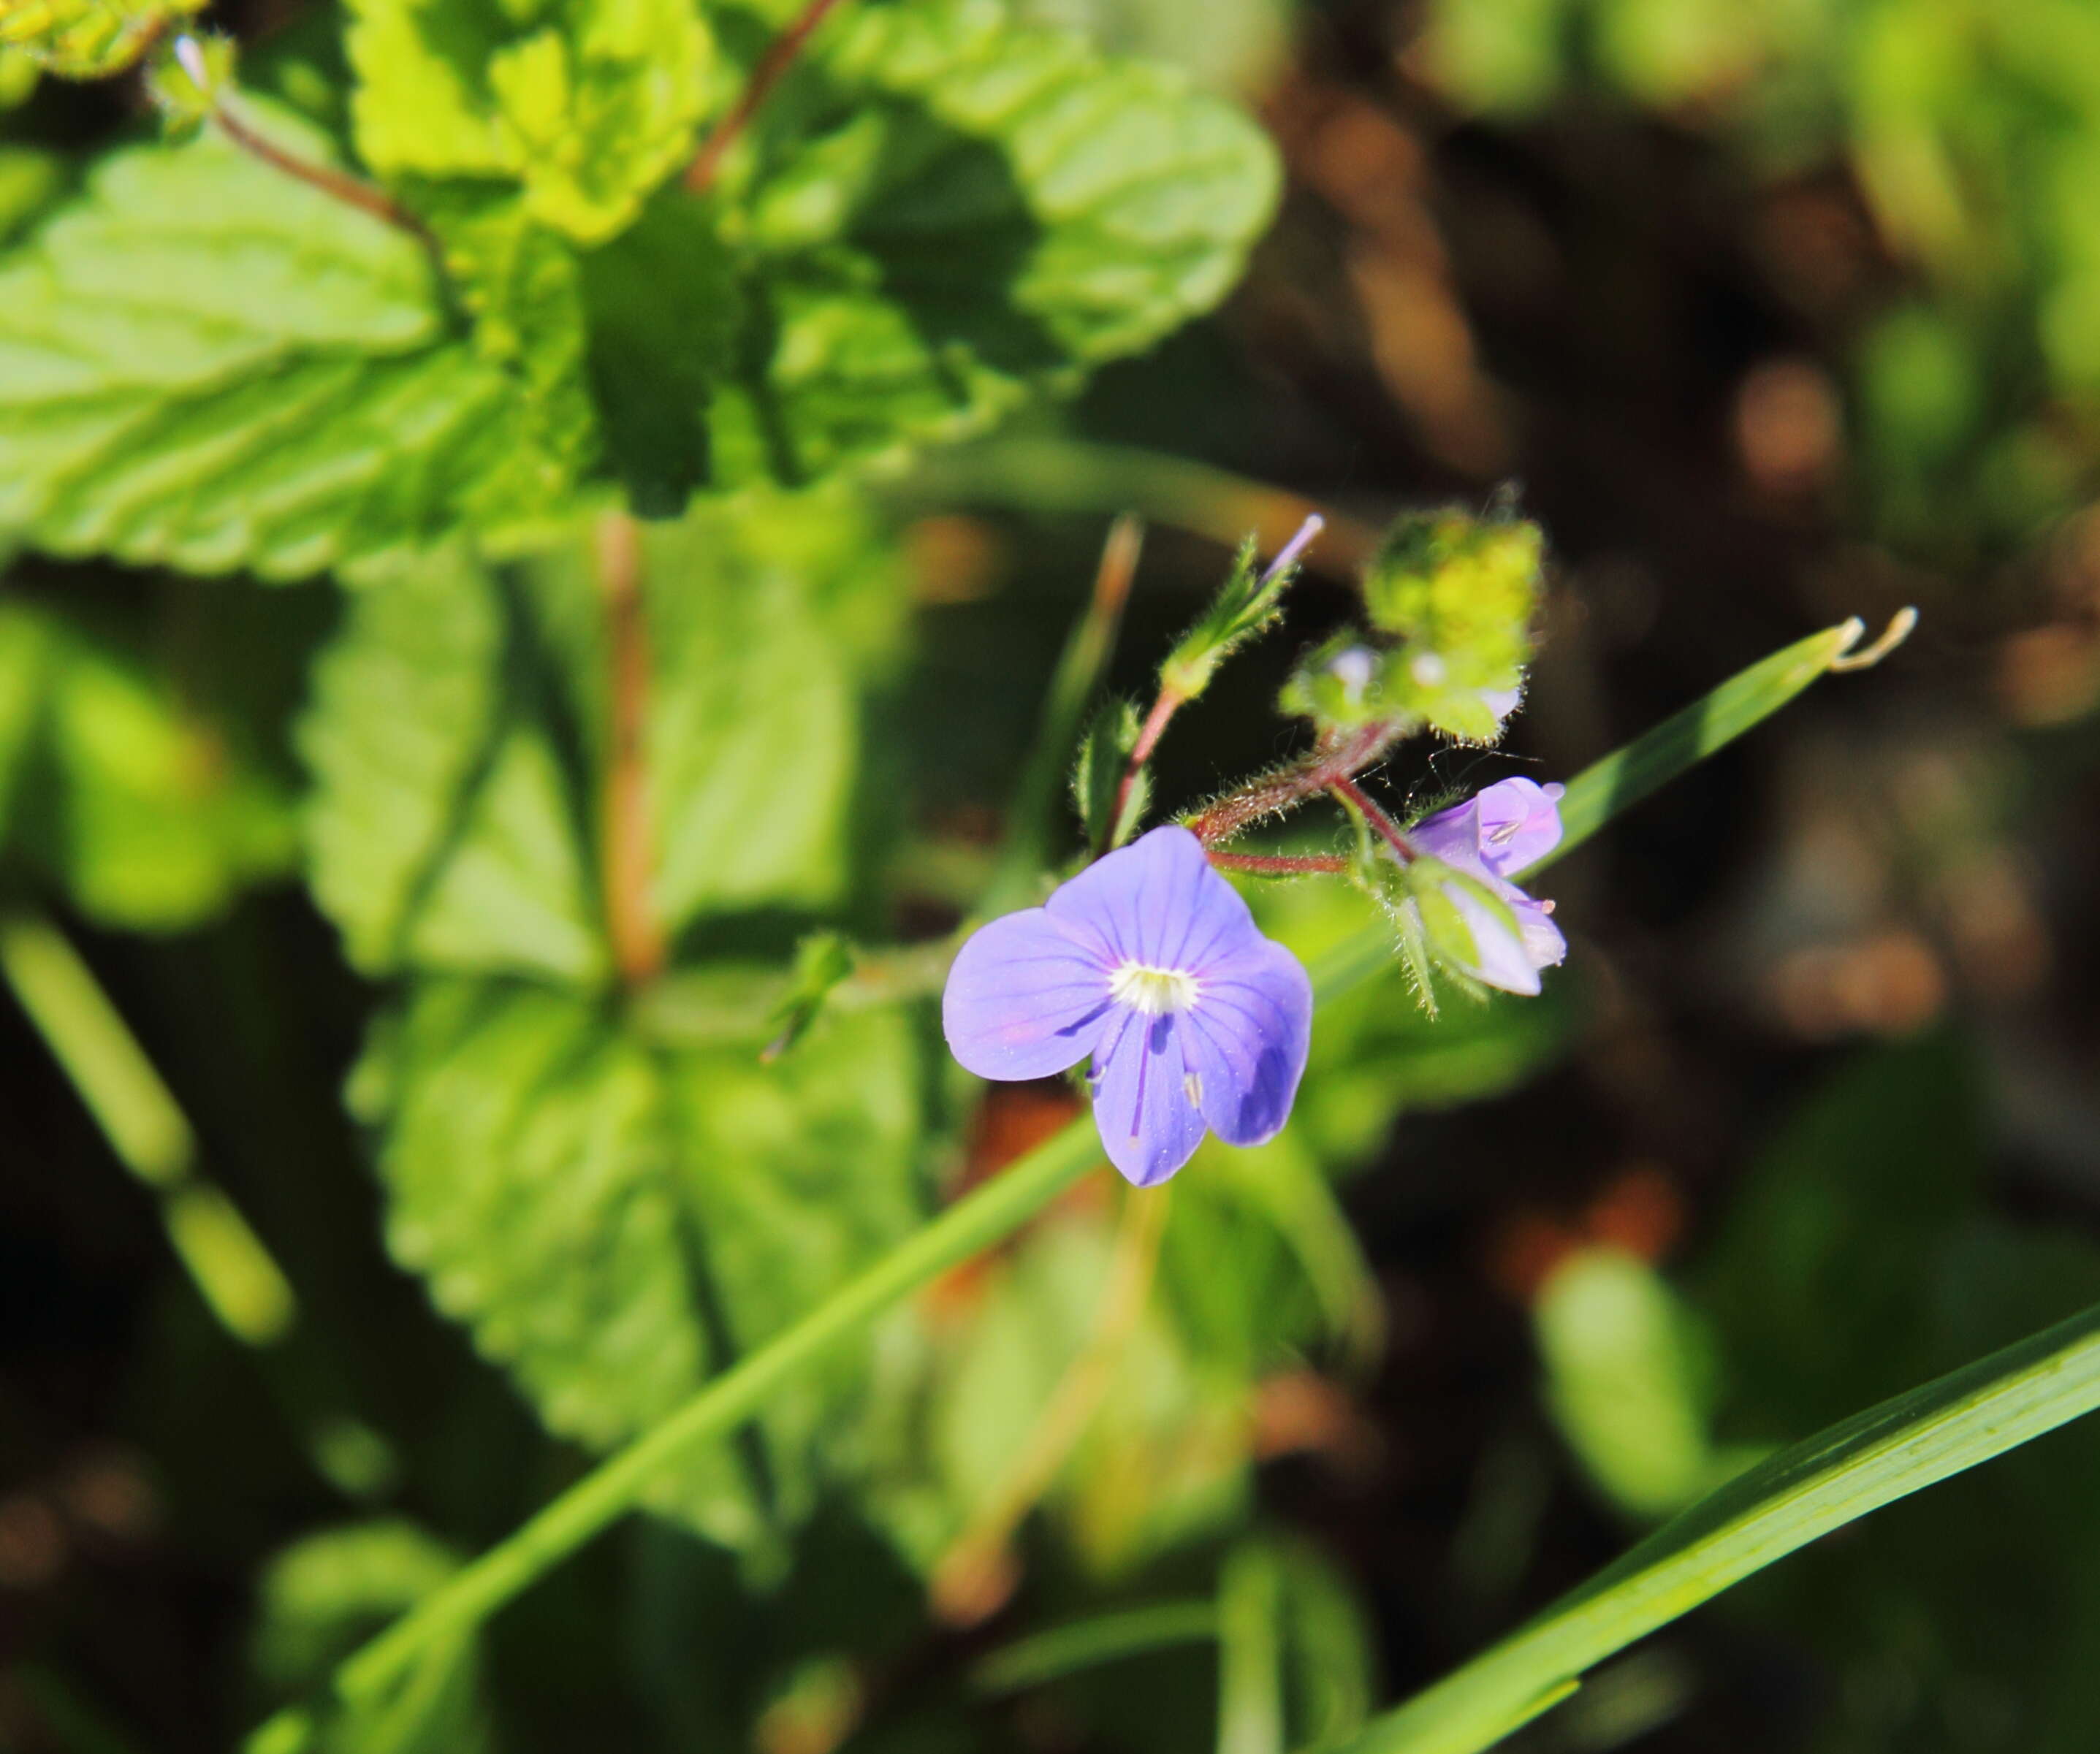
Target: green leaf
147,815
521,283
587,104
458,729
29,180
287,400
721,1197
940,215
1629,1373
87,39
1620,781
1817,1485
317,1599
1294,1651
653,359
1105,753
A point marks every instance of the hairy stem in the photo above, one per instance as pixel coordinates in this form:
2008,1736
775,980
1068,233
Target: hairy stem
631,923
1286,787
779,56
336,185
1387,829
1281,864
231,1268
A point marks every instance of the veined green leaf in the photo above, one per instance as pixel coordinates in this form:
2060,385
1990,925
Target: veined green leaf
87,39
268,385
588,104
458,731
942,214
721,1196
318,1597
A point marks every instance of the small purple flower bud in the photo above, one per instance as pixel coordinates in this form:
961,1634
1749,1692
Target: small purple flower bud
1502,703
1507,828
1149,962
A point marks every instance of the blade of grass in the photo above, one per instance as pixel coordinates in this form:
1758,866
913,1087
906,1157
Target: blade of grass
1070,475
1622,779
1031,823
987,1217
1087,1644
1830,1479
227,1262
1250,1653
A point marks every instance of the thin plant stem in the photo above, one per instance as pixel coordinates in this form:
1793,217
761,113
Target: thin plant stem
627,854
1288,787
1281,864
1387,830
965,1581
336,184
232,1270
985,1217
780,55
1149,734
1031,819
1070,475
1171,701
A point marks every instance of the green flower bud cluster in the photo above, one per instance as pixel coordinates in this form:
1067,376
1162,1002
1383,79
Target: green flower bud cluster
1450,599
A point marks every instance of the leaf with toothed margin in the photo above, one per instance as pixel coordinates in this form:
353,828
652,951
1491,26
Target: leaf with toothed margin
457,726
940,215
719,1198
207,364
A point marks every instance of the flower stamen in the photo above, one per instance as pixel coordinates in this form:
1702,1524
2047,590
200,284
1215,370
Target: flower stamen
1154,992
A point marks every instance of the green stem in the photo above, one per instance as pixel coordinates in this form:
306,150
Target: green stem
992,1212
1031,822
232,1270
1069,475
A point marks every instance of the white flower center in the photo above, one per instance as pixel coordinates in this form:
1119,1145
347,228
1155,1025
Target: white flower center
1153,991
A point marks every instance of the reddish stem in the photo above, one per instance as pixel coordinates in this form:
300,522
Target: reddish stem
334,183
1148,739
780,55
1388,829
1276,792
1281,864
638,949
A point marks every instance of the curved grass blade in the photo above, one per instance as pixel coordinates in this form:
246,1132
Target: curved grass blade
1841,1475
1604,789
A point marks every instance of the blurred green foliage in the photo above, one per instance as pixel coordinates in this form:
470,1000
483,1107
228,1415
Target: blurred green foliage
1970,131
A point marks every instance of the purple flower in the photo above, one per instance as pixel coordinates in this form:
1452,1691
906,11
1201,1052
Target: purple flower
1511,824
1150,961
